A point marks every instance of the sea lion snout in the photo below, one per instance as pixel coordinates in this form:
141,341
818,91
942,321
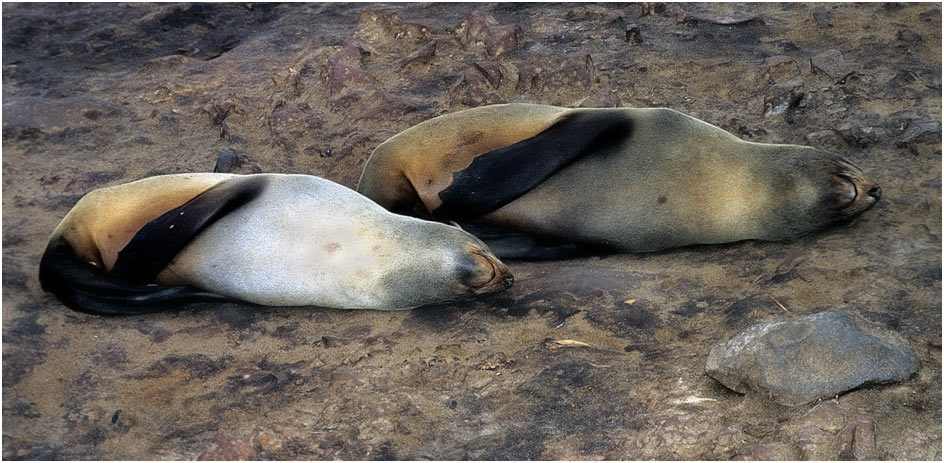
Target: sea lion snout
856,192
483,273
844,192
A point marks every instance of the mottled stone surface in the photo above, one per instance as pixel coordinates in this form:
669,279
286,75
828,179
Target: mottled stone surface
801,360
832,64
138,89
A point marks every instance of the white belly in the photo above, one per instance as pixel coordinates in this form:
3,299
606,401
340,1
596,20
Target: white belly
303,241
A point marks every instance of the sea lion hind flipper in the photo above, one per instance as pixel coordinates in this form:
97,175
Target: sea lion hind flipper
158,242
500,176
516,245
85,288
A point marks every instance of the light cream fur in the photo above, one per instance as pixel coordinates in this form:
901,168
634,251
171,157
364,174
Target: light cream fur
303,241
672,181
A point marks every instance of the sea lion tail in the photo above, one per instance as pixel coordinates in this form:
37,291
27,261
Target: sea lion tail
86,288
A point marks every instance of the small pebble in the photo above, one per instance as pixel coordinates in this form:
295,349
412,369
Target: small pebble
632,34
421,55
226,161
832,63
910,36
821,17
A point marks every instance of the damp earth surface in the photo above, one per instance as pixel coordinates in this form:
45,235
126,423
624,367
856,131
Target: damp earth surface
593,358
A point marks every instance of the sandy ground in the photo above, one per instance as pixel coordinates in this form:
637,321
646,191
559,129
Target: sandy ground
100,94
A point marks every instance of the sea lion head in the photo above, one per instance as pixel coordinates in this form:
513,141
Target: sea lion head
447,264
820,190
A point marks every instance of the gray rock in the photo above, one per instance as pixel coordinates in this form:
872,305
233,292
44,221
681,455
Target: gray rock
696,18
821,17
226,161
920,138
832,63
922,131
813,357
859,136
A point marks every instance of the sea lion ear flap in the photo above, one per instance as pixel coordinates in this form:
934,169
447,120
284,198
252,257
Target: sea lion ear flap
157,243
498,177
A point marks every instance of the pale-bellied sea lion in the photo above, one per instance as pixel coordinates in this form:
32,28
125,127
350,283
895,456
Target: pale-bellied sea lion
267,239
628,179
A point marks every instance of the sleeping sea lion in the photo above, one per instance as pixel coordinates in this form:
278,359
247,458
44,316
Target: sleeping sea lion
268,239
625,179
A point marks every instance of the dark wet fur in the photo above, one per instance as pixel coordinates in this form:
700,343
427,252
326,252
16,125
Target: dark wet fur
512,244
85,288
498,177
128,289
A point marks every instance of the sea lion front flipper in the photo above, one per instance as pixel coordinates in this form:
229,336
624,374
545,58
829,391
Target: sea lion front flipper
90,289
158,242
498,177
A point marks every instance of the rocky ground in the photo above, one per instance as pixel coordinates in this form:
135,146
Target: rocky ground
587,358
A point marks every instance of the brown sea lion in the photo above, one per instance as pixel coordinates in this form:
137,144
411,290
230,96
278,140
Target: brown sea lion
627,179
269,239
